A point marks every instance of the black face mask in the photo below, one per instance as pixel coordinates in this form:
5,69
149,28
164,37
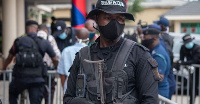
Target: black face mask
112,30
147,42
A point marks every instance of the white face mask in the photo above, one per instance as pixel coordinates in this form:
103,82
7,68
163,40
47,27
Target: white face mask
167,31
42,34
85,41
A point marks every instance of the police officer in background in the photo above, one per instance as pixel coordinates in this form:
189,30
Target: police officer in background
167,42
191,52
25,76
128,75
151,41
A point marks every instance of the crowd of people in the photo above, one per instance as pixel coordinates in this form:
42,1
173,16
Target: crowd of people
97,64
157,39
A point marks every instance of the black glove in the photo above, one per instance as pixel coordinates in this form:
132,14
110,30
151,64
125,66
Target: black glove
177,64
180,62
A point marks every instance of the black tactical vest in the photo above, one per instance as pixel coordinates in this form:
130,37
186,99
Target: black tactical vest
29,61
115,81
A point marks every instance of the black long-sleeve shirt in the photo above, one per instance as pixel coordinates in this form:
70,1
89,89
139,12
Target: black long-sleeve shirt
192,55
139,71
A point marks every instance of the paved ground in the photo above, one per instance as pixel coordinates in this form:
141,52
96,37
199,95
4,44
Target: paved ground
56,95
179,99
183,99
2,91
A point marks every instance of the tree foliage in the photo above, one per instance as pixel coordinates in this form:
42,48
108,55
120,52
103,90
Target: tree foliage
135,7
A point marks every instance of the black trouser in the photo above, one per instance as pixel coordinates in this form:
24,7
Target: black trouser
46,92
196,84
35,91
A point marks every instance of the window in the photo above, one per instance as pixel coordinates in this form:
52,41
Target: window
190,28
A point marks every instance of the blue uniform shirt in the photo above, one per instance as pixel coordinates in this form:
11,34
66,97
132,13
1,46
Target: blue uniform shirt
162,42
164,65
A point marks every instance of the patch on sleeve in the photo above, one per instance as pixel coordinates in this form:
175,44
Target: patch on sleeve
154,65
153,62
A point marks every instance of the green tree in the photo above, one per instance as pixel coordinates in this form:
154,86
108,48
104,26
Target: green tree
135,7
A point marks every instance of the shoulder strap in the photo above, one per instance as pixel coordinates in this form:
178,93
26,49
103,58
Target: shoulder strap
19,44
35,43
122,54
84,53
22,47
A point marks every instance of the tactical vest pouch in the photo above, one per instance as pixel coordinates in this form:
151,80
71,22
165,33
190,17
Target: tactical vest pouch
92,88
115,87
80,85
22,72
28,57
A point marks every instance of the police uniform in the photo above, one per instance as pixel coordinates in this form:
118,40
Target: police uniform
163,60
171,78
35,86
128,79
138,68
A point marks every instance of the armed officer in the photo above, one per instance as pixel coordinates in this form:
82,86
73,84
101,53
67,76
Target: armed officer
126,73
29,71
152,42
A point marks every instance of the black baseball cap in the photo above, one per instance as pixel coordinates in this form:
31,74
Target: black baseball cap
187,38
31,22
59,27
151,31
111,7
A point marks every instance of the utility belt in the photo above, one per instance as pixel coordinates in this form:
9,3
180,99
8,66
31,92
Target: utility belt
32,72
